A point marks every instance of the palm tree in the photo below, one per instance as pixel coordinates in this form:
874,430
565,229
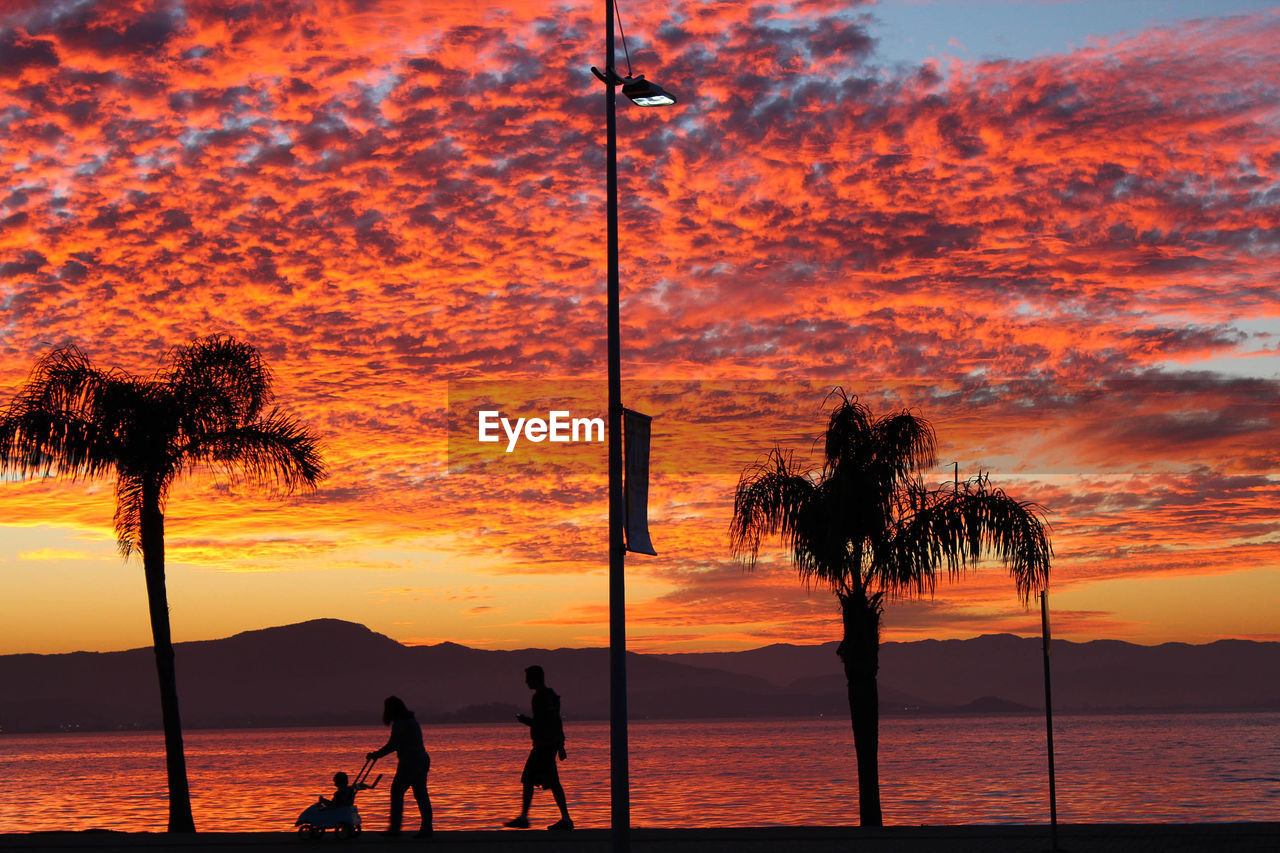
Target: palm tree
867,527
207,408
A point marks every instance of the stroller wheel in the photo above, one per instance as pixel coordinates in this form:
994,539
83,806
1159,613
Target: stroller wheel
344,830
307,832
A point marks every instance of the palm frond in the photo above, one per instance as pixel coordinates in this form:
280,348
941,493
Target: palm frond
872,458
956,529
52,425
128,517
275,452
217,381
903,443
74,420
769,498
825,541
904,557
848,428
868,524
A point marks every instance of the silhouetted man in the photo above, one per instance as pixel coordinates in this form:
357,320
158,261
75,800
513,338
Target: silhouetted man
547,731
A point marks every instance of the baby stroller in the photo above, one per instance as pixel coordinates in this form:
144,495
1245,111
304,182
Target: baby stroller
343,820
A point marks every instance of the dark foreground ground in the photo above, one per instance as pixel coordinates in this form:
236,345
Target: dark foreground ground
1075,838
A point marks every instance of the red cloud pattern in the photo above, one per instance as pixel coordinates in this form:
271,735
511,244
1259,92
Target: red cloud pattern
1042,256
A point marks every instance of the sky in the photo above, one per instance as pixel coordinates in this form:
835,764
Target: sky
1050,228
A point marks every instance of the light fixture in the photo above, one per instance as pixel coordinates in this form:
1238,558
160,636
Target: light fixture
642,92
645,93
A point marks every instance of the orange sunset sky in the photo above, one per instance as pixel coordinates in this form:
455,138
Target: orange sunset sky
1058,243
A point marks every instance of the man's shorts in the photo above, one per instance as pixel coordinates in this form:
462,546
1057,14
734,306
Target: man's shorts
540,768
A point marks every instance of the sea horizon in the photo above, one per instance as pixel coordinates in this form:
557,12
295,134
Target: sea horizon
890,713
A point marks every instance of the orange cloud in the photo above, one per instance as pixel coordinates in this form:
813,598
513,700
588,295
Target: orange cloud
1034,254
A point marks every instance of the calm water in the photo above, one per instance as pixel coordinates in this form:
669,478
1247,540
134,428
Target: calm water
935,770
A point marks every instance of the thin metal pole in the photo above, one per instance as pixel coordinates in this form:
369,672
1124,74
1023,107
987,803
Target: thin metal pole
619,769
1048,718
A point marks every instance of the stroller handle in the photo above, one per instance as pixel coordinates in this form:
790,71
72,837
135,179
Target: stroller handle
364,771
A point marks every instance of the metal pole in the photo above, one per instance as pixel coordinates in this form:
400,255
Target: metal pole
619,770
1048,718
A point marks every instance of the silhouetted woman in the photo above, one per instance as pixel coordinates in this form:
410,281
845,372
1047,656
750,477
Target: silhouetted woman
412,764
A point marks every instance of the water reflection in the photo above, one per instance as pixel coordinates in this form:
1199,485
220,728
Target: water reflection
725,773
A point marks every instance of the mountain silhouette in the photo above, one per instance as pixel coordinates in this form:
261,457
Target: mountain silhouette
331,672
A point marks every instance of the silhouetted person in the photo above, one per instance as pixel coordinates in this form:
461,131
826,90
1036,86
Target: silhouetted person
346,793
547,731
412,764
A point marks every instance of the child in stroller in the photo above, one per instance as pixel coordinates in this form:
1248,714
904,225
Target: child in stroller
339,812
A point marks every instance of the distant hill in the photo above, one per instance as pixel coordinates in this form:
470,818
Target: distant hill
329,672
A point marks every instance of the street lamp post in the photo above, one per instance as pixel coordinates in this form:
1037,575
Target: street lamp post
619,764
643,93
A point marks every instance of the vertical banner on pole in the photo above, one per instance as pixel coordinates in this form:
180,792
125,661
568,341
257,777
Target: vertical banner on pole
635,433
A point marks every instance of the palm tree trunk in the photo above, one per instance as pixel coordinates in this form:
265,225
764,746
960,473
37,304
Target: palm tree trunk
152,530
860,654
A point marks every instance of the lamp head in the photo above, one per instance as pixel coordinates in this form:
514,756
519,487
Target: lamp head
644,93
